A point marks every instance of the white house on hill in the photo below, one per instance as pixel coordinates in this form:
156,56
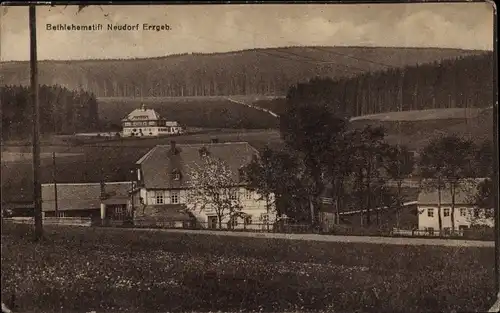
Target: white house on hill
148,123
165,175
465,215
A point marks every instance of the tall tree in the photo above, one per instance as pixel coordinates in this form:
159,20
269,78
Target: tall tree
483,198
340,169
368,151
310,129
272,176
483,159
399,165
447,162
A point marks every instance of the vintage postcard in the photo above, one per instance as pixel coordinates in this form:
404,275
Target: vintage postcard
249,157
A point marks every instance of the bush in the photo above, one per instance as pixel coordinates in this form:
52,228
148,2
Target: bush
480,233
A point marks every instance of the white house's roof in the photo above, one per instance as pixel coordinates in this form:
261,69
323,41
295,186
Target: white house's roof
171,123
142,114
462,196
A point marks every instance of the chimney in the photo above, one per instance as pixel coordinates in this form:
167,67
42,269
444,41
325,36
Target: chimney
173,148
215,140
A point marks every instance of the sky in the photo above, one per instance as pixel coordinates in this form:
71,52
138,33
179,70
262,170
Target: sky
222,28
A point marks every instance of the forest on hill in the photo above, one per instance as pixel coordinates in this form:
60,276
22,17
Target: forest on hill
463,82
61,111
259,71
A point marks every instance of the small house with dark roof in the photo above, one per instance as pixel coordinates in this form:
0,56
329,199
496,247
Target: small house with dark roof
165,176
466,214
108,201
145,122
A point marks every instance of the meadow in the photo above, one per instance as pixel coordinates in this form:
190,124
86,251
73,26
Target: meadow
112,270
207,112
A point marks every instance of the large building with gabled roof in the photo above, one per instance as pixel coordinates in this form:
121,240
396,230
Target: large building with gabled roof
165,176
145,122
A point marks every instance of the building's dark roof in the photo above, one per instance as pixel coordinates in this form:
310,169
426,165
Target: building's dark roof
463,194
83,196
158,165
95,164
168,212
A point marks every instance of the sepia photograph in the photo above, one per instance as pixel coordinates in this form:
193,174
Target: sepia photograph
249,157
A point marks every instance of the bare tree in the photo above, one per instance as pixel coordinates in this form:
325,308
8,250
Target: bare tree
213,185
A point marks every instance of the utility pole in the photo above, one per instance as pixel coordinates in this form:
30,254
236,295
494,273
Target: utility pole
36,125
54,180
132,206
496,167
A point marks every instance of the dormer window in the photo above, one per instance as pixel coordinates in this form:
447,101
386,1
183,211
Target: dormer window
176,175
203,152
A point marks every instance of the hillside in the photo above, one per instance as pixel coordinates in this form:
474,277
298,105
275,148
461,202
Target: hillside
204,112
259,71
418,128
120,155
464,82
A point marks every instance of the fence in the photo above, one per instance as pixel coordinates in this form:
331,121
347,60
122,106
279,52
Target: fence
72,221
241,227
348,230
470,233
339,230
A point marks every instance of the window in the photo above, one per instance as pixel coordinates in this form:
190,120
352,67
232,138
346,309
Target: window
248,220
430,230
127,123
248,194
176,175
119,213
446,212
463,212
174,197
264,217
203,152
159,198
447,230
233,194
234,221
430,212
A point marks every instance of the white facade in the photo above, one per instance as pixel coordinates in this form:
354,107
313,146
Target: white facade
252,206
465,217
148,123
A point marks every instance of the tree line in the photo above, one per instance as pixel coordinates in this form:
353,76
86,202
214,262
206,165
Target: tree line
259,71
324,157
62,111
463,82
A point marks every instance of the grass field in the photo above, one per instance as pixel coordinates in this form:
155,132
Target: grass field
211,112
109,270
